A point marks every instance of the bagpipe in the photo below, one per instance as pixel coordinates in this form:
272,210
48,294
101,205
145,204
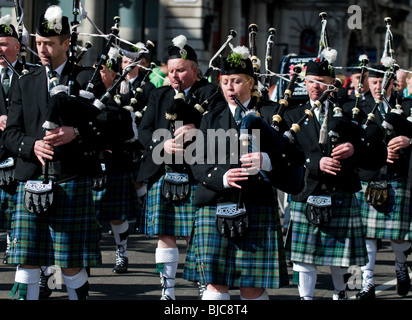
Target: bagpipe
21,34
295,127
268,64
134,103
117,123
97,125
395,123
83,51
287,161
284,103
7,165
105,51
255,95
22,37
232,34
364,60
192,110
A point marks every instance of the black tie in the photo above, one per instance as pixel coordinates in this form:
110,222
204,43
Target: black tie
5,80
322,113
382,110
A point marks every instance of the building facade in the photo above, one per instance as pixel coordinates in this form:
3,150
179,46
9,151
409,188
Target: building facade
354,27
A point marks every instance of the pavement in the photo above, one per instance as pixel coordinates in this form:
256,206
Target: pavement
141,282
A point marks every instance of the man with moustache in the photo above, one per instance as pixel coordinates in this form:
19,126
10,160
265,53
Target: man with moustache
335,240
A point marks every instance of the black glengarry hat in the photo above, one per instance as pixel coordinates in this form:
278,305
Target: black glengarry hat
319,68
238,62
377,71
6,28
52,23
180,50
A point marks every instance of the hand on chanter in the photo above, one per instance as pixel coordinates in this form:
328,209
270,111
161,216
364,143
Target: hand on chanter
235,175
329,165
43,150
395,144
185,132
252,162
59,136
343,151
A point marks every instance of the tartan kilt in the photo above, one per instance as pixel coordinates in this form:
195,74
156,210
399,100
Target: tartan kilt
119,200
67,236
392,220
165,217
340,243
7,207
256,261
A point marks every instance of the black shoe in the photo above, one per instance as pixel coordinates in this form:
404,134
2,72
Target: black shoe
341,295
121,264
367,293
45,291
403,281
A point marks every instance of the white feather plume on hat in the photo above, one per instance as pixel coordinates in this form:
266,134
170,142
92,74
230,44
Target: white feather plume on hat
387,61
179,41
6,20
242,51
54,15
113,53
363,57
330,55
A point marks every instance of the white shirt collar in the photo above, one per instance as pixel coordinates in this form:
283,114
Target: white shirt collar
59,69
185,91
317,110
9,71
234,106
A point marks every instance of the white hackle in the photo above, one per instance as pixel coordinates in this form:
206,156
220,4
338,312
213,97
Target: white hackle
54,15
6,20
330,55
242,50
179,41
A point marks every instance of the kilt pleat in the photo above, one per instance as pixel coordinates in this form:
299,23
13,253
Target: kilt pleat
66,237
119,200
256,260
166,217
392,220
339,243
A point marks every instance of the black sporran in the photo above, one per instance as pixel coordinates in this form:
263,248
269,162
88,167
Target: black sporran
7,173
319,210
376,192
99,179
231,220
38,196
176,186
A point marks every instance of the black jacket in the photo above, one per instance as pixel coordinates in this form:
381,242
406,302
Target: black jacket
155,118
27,114
346,180
400,167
